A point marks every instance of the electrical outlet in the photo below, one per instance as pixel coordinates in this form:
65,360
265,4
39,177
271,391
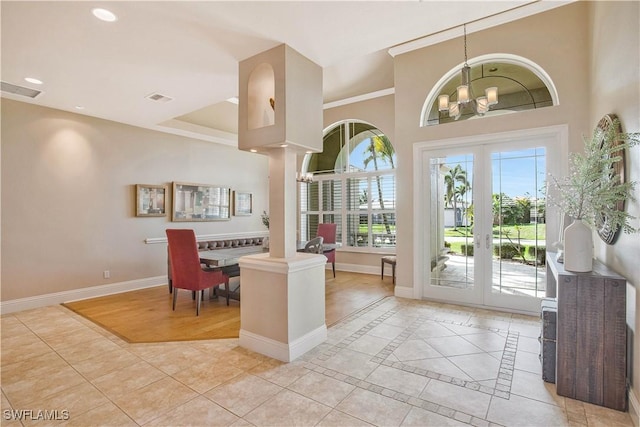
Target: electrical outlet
106,274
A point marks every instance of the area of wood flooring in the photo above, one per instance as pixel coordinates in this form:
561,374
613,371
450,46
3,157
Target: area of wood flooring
145,315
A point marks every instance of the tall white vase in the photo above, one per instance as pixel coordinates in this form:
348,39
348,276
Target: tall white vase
578,247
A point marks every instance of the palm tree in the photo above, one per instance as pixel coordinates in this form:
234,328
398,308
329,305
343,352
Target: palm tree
460,192
380,148
363,198
453,191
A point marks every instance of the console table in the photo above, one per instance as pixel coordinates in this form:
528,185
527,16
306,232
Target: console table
591,357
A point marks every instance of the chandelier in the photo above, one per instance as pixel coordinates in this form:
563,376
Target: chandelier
465,99
305,178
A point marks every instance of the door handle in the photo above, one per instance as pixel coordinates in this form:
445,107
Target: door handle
477,241
488,241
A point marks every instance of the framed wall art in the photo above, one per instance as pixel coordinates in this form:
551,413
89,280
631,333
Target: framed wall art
200,202
242,203
150,200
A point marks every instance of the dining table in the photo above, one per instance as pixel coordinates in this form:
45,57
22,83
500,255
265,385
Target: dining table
326,247
227,259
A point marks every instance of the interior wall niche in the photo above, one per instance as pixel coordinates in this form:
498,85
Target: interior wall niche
261,97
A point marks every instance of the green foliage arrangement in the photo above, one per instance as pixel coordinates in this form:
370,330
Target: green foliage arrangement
265,219
590,190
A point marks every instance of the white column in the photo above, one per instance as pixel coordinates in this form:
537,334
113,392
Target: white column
282,311
282,203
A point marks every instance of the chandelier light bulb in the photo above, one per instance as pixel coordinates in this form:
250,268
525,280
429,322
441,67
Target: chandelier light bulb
463,94
443,102
492,95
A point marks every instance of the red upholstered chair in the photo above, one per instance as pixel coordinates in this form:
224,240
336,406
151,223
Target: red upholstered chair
186,271
328,233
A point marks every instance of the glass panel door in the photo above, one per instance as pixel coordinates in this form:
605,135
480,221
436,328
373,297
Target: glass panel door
485,225
518,228
450,261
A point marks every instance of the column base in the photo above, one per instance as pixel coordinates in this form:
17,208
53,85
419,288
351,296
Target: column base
285,352
282,313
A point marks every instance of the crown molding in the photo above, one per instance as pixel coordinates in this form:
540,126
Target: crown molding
479,25
360,98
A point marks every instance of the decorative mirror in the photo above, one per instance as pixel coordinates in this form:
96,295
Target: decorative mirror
605,231
200,202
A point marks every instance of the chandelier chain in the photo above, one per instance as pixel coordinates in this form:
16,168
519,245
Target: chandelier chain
465,44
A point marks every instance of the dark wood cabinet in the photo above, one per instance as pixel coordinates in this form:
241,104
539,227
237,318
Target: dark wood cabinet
591,334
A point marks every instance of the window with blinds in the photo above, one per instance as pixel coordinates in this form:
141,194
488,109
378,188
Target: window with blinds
358,192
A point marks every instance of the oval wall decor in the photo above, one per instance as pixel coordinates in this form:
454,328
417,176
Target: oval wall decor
606,232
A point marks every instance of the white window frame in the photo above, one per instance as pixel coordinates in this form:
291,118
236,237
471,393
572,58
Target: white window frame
343,211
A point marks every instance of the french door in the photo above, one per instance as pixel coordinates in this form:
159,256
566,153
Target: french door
487,226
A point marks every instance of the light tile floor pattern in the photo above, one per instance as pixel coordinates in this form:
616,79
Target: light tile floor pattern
397,362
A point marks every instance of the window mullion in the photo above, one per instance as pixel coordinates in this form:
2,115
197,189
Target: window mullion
343,210
369,216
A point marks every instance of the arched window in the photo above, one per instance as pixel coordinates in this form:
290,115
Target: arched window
522,85
354,186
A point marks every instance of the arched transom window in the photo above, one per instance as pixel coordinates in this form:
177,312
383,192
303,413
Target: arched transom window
521,85
354,186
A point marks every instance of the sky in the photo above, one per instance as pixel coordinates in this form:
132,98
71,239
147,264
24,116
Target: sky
518,173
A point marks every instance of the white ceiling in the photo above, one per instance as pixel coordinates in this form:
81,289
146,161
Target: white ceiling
190,51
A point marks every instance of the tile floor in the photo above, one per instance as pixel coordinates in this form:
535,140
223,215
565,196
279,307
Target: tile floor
398,362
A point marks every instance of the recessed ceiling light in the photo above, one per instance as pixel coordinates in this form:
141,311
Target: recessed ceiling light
104,15
253,150
234,100
284,145
493,69
79,107
34,81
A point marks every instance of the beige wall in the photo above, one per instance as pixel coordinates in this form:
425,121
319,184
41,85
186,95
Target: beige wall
68,186
615,88
554,40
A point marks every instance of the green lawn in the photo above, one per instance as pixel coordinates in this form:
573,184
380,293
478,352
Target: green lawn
527,231
376,229
455,248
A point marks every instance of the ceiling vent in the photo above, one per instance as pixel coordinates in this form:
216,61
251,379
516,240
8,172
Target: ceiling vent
159,97
20,90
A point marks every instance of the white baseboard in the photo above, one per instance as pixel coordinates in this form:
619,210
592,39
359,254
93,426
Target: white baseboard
29,303
634,408
358,268
403,292
279,350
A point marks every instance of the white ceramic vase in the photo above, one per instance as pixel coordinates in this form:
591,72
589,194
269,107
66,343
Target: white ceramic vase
265,242
578,247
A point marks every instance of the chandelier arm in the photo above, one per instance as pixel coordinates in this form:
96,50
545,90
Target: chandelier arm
526,89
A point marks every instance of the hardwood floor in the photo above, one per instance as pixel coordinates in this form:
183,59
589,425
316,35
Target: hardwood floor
350,292
146,316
